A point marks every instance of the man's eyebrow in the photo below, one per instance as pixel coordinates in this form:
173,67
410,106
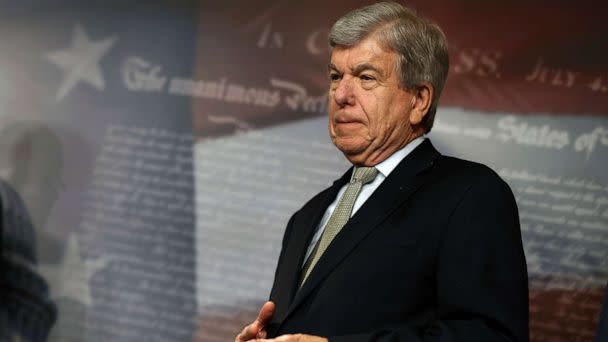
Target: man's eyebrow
366,66
358,69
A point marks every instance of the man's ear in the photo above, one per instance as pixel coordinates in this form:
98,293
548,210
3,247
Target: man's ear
421,102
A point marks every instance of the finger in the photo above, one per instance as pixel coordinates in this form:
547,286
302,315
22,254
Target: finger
262,333
258,326
249,332
266,313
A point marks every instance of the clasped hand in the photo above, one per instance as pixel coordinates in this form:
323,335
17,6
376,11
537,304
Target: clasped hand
256,331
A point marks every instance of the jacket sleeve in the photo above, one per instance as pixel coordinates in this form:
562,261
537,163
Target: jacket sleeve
482,282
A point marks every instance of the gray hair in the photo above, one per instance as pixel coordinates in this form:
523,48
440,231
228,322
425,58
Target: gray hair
420,44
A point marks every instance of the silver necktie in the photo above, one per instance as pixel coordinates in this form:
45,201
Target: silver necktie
339,217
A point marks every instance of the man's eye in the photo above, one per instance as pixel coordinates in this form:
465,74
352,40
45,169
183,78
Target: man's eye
367,78
334,77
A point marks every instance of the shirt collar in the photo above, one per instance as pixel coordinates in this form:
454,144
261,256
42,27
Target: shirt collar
389,164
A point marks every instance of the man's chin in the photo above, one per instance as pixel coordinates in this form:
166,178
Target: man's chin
353,149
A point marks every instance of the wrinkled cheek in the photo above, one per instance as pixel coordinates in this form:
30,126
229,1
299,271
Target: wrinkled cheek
383,128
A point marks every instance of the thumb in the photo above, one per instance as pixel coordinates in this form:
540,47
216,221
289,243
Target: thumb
266,313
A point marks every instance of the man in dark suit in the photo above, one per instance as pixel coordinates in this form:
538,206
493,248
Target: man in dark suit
408,245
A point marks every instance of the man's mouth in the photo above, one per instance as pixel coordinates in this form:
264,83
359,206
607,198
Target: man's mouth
346,119
346,125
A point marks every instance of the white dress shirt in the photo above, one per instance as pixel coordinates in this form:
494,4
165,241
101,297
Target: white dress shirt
384,169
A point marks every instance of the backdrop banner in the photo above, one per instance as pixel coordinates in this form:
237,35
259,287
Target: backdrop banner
161,147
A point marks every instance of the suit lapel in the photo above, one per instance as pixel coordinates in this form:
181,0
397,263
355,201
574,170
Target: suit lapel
403,181
304,227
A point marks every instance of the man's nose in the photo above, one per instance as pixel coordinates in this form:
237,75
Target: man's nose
344,93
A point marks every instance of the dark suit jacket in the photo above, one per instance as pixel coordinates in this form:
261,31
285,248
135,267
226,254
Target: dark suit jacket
435,254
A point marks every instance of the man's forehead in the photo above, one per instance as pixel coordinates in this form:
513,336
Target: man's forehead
361,56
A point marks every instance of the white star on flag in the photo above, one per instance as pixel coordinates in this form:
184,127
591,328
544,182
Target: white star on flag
72,278
80,62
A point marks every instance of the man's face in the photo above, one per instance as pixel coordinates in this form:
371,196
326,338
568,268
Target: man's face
368,110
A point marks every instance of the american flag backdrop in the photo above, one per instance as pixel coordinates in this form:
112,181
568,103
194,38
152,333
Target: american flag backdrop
161,146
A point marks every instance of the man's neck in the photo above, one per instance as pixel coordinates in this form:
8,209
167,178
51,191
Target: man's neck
388,165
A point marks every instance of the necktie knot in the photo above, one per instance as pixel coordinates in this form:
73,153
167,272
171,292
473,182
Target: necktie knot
365,174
